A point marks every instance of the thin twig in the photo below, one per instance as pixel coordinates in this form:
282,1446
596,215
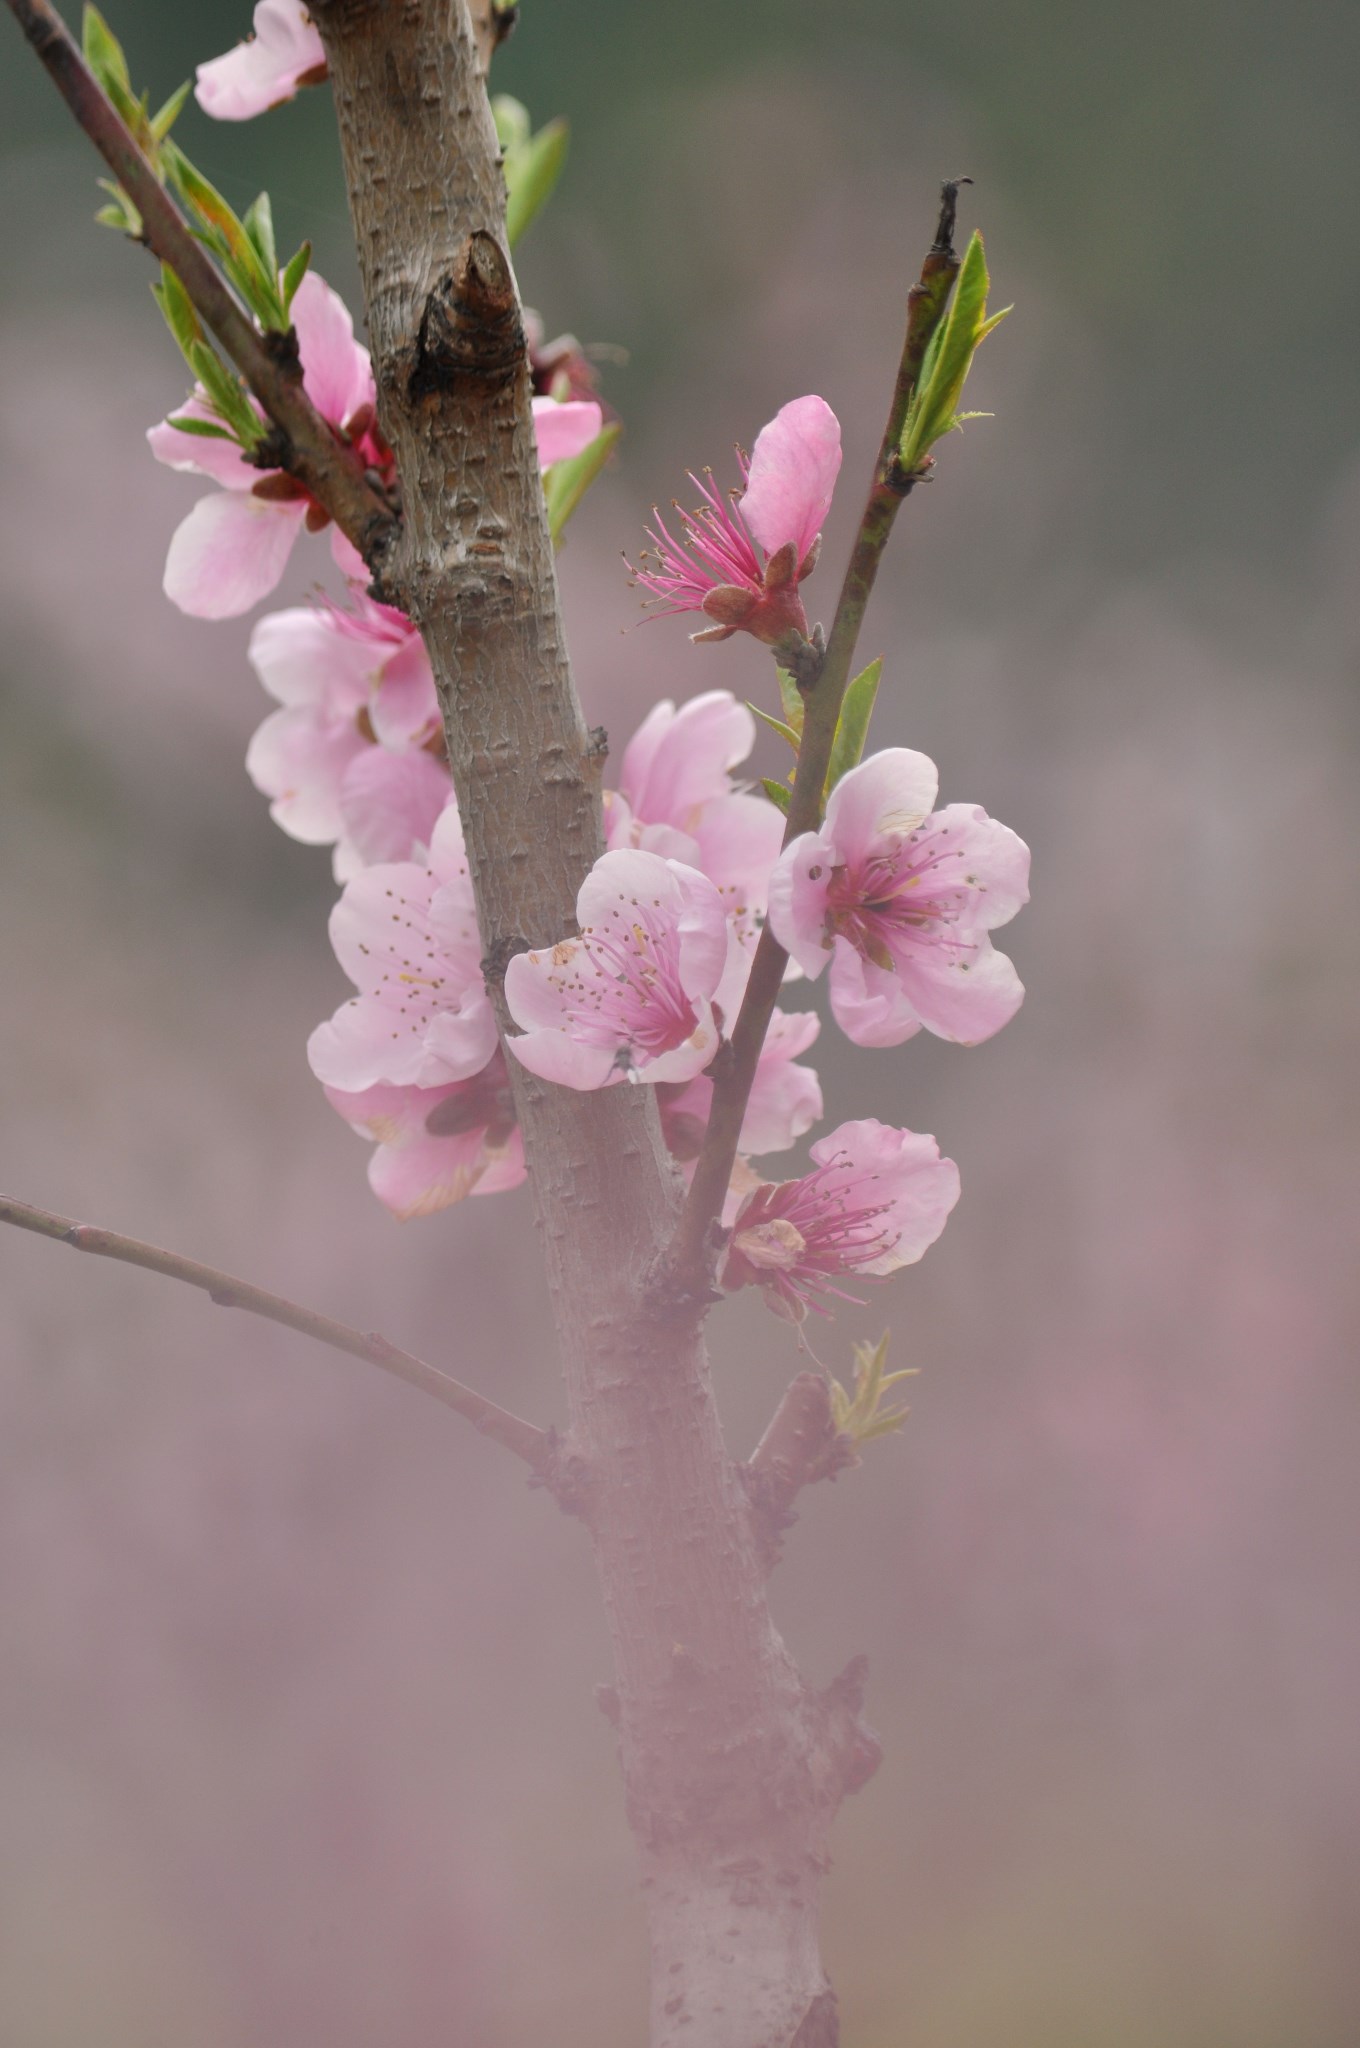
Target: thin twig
534,1446
687,1268
331,473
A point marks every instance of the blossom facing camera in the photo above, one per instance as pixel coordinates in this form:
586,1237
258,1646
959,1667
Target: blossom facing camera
715,567
631,998
284,52
406,935
877,1200
900,899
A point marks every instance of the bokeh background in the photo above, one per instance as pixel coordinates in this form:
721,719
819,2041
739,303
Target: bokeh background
296,1733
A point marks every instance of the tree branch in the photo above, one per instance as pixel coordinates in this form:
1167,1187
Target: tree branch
689,1263
800,1446
332,473
534,1446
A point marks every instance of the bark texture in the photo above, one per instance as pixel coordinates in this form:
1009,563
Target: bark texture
733,1767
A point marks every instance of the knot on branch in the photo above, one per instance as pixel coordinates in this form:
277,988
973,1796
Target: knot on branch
471,326
801,1446
855,1746
494,963
565,1474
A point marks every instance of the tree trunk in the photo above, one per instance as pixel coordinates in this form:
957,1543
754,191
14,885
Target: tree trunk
733,1767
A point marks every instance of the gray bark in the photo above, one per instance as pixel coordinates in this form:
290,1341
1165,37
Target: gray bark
733,1767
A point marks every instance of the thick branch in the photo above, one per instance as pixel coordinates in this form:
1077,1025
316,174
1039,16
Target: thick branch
534,1446
691,1255
733,1768
333,474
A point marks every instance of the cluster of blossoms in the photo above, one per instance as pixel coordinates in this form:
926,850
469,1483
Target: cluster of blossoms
895,897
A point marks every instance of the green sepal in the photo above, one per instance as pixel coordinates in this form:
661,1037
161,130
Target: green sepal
225,395
207,430
791,697
779,796
294,270
786,732
934,408
566,483
180,316
852,727
532,169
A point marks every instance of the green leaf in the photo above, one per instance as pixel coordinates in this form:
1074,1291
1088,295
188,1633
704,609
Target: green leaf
225,395
786,732
566,483
164,121
294,271
121,214
258,222
852,729
531,171
208,430
227,237
104,53
934,408
791,697
180,316
513,126
780,797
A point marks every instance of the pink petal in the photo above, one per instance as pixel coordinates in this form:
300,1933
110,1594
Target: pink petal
890,793
336,373
565,429
794,466
299,759
869,1002
994,862
390,803
230,552
405,709
347,558
552,1054
963,994
678,761
265,70
200,454
798,900
301,658
918,1188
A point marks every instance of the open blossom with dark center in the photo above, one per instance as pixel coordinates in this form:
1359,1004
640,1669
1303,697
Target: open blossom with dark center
900,899
284,52
234,546
631,998
877,1199
676,797
354,757
436,1145
714,566
406,935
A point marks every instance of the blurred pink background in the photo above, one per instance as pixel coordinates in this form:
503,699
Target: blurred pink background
296,1732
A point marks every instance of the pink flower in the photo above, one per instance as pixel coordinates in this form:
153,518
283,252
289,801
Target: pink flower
284,52
406,935
786,492
900,898
234,546
785,1099
436,1145
632,997
676,797
354,757
563,427
878,1199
